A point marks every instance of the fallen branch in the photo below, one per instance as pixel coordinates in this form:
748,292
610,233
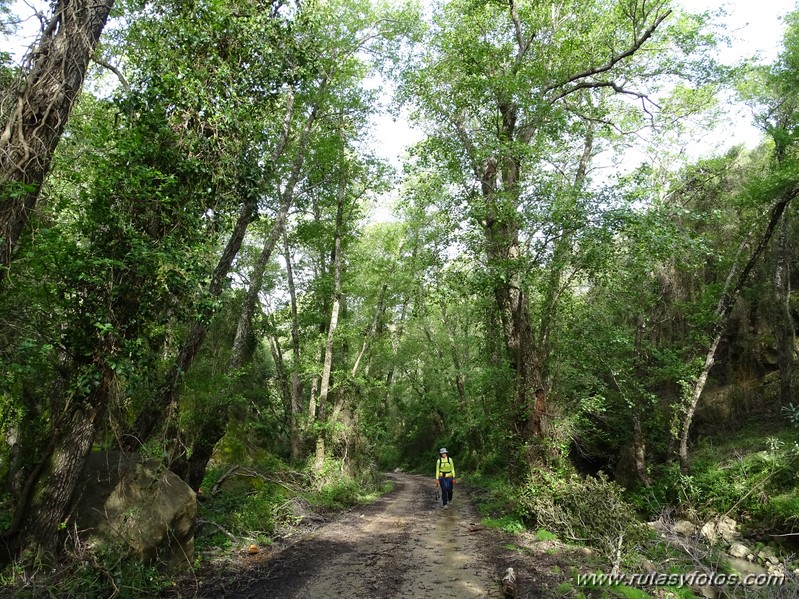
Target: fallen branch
230,535
249,473
231,471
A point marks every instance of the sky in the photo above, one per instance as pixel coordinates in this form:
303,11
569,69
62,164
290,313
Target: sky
756,23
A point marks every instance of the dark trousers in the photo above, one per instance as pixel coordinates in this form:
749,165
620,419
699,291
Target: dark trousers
445,482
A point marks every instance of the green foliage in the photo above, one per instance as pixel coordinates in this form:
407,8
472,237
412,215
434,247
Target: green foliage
792,413
589,510
337,488
542,534
749,476
509,523
340,494
87,573
246,507
780,514
621,282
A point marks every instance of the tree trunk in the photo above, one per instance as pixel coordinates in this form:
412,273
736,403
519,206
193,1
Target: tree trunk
214,427
46,95
639,445
313,398
324,387
280,371
517,330
460,377
496,169
50,489
783,323
296,385
165,401
204,444
639,448
723,311
505,253
562,255
371,334
166,395
192,470
243,329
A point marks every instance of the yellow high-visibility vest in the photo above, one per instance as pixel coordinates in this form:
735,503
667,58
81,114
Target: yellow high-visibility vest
445,467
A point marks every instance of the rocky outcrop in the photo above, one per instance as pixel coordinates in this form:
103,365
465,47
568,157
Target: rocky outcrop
137,504
755,568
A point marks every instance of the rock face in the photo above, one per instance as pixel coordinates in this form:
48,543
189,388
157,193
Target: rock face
137,503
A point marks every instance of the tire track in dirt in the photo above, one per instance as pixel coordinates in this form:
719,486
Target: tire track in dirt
403,545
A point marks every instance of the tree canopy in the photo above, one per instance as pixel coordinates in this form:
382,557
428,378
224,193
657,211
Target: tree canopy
187,261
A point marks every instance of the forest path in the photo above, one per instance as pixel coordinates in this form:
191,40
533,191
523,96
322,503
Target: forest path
402,545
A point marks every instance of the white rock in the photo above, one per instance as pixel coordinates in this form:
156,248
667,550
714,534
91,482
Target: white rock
684,528
718,529
738,550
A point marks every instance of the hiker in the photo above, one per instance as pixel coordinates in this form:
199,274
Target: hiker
445,476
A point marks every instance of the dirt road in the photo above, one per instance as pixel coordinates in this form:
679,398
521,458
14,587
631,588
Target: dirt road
403,545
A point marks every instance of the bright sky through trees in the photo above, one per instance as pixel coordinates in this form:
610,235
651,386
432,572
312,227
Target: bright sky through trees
754,28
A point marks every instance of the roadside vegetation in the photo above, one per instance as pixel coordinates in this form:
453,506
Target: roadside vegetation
210,274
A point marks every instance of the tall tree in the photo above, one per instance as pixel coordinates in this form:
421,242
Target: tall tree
779,118
135,215
503,86
242,130
42,100
171,166
333,41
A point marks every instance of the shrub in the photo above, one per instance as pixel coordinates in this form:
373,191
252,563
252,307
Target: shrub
780,513
508,523
341,493
85,572
589,510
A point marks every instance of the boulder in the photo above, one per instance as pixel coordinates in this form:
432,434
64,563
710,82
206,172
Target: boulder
738,550
717,408
137,503
684,528
767,556
720,529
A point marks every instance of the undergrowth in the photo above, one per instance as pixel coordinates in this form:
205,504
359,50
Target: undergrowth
84,573
237,508
589,510
748,476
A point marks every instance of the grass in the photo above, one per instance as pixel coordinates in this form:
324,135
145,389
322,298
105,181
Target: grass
749,474
509,523
543,534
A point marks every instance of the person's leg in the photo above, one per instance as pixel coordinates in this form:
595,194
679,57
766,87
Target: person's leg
446,490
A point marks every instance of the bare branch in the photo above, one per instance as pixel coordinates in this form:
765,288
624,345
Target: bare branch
619,89
524,44
103,63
